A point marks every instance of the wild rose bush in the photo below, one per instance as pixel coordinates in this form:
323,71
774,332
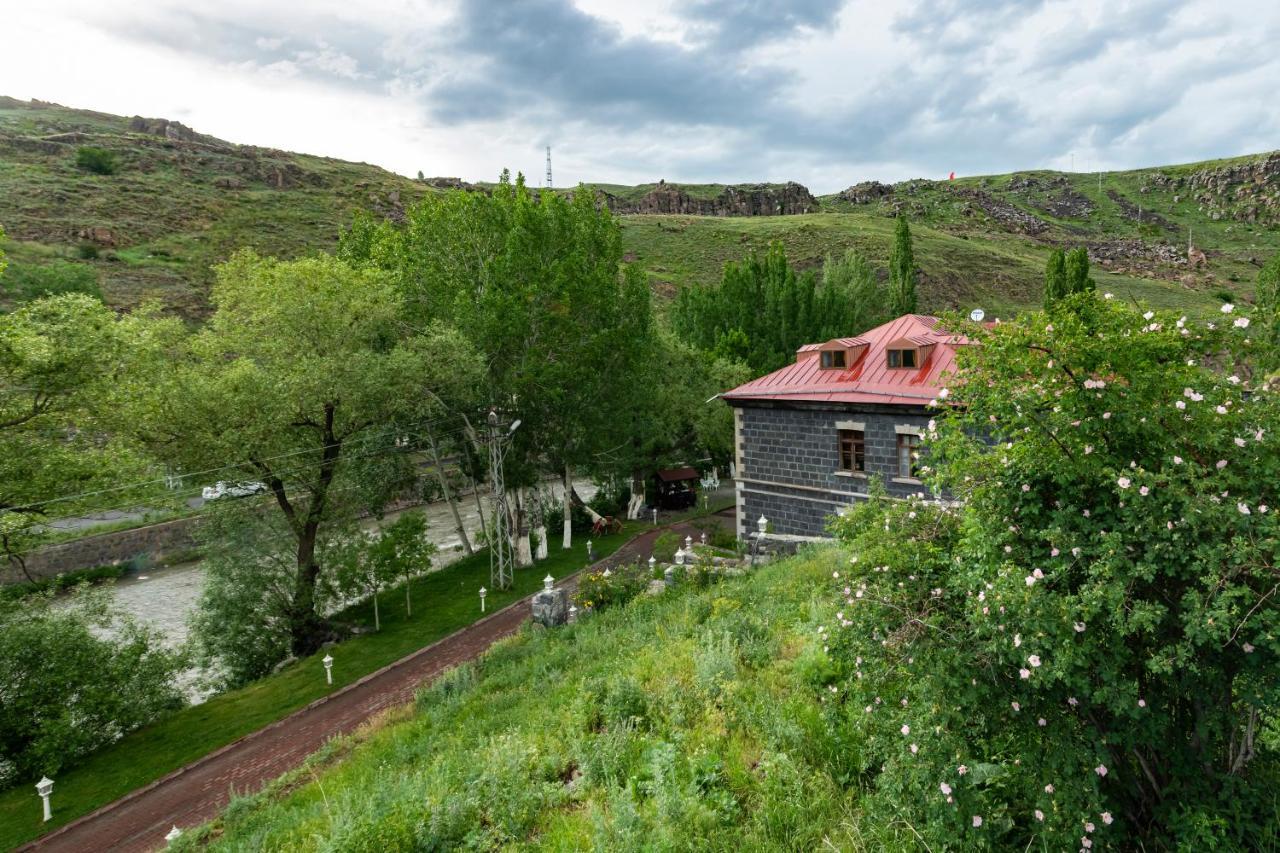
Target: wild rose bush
1083,653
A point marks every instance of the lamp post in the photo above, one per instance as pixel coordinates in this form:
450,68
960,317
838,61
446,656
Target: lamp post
688,543
483,593
607,573
591,556
172,835
653,564
680,557
573,613
762,524
655,518
327,660
704,537
44,788
548,582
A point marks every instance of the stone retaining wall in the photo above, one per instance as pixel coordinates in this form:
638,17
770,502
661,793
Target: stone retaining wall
154,541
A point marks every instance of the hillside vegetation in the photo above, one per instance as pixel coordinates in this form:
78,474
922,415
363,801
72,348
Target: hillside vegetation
178,201
689,721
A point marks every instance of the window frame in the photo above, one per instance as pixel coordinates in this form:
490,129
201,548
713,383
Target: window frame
856,452
827,359
896,359
910,442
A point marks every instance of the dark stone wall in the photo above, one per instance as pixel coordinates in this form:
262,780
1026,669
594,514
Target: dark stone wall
790,458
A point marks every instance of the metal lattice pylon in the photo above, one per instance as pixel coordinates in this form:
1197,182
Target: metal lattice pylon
548,167
501,551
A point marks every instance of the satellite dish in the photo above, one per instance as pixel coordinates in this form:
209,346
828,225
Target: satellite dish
977,314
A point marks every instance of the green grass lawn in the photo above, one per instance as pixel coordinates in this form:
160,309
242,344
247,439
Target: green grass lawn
694,720
443,602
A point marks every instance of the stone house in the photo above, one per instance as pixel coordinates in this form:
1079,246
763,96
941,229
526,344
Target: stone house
808,437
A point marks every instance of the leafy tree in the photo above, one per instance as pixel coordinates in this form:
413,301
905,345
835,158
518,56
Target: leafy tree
1055,278
100,161
902,271
762,310
537,286
1077,270
75,677
421,177
60,360
298,381
397,553
1087,646
3,262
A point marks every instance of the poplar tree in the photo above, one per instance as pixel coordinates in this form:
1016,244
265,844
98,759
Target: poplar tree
1055,278
902,272
1077,268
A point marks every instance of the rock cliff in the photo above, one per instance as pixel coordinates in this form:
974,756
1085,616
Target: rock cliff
737,200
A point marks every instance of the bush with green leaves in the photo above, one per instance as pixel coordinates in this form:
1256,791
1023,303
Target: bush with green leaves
665,547
100,161
597,590
75,676
1085,651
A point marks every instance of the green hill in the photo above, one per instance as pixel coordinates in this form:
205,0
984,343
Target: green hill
694,720
180,201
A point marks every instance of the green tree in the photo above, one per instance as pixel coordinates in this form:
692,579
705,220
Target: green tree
60,360
1087,644
3,262
538,287
298,381
26,282
1055,278
902,271
100,161
75,677
1077,270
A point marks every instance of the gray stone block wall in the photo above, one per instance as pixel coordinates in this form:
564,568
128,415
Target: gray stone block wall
790,456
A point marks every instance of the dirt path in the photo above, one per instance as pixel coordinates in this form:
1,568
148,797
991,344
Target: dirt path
193,794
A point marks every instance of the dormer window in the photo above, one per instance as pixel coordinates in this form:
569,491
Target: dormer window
833,359
901,358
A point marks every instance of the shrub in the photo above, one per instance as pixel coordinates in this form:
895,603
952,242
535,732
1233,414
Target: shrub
75,677
1084,648
27,282
597,590
100,161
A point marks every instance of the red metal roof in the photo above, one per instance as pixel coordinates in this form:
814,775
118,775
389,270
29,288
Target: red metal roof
868,379
669,475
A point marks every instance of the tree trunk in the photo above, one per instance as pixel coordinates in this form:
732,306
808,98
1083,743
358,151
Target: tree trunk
475,493
408,602
524,553
448,496
636,504
568,508
591,513
377,622
306,628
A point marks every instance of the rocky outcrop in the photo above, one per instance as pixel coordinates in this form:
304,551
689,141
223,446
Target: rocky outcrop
1052,195
163,127
738,200
1246,191
1006,215
450,184
865,192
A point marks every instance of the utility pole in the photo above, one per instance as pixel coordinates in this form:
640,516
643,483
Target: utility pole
548,167
501,552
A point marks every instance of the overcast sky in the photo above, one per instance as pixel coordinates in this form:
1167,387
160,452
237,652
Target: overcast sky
828,93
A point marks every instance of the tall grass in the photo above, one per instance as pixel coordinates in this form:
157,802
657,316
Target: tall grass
690,721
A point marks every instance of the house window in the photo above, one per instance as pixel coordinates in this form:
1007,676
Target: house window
833,358
902,358
853,453
908,455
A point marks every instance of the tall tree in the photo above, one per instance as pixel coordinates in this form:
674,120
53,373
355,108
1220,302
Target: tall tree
1077,269
303,380
902,271
536,283
1055,278
59,360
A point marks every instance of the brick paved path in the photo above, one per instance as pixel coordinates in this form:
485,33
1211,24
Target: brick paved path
193,794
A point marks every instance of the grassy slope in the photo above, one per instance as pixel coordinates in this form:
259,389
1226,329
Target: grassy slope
169,220
693,721
443,602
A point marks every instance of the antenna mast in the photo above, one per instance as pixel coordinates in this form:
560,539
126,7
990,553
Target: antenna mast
548,167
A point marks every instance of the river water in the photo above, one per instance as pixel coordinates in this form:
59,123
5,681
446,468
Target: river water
164,598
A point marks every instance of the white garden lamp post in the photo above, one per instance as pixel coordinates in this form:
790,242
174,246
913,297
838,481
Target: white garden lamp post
172,835
327,660
548,582
483,593
573,613
607,573
688,544
655,518
704,537
44,788
680,557
762,524
653,564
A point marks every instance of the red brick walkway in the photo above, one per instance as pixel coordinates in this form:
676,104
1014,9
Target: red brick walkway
193,794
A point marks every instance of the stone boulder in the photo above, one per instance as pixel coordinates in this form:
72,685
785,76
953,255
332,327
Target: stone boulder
551,607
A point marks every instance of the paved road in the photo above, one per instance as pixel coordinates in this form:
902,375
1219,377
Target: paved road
195,794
